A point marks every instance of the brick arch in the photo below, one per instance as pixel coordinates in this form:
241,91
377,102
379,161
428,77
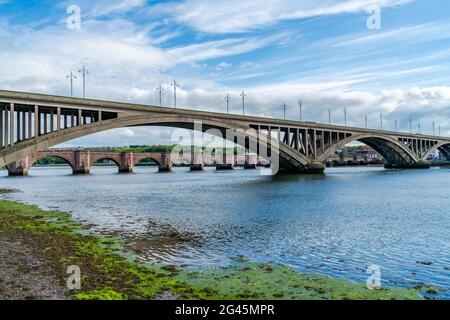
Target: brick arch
138,158
67,157
114,158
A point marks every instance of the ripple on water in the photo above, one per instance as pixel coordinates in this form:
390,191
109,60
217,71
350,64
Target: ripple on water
336,224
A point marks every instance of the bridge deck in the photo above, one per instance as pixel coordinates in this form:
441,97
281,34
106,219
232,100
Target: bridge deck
114,106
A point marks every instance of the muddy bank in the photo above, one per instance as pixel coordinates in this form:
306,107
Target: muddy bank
38,246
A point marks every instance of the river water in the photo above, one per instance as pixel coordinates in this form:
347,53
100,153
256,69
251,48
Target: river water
336,224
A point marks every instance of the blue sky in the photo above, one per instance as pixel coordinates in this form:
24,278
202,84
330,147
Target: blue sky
277,50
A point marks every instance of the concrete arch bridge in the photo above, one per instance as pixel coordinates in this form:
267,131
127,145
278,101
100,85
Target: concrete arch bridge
34,122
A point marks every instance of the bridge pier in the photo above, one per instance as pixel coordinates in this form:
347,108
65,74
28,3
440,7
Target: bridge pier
80,171
250,162
224,166
312,168
19,168
14,171
126,169
197,167
165,169
417,165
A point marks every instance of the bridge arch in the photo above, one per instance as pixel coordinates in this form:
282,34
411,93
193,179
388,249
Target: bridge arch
67,160
99,159
390,148
443,147
290,158
141,159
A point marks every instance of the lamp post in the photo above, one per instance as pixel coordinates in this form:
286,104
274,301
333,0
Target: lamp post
227,99
175,85
243,95
160,90
84,72
71,76
300,105
345,116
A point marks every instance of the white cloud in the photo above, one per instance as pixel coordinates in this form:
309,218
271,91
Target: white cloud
222,48
116,52
223,65
411,34
100,8
234,16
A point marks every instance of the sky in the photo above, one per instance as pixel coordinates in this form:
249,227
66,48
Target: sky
388,57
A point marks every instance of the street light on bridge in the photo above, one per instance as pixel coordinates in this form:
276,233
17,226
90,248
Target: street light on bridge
160,89
345,116
365,120
71,76
284,106
381,121
227,99
300,105
243,95
84,72
329,116
175,85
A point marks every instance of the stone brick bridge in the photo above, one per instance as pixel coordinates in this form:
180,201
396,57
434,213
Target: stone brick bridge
31,123
81,161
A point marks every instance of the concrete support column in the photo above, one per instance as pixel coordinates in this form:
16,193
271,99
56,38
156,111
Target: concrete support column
82,163
18,126
24,125
58,118
6,127
196,161
36,121
166,162
2,127
125,162
45,123
225,165
29,126
19,168
52,119
11,124
80,117
250,161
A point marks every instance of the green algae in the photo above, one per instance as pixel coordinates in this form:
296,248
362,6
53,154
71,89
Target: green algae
110,273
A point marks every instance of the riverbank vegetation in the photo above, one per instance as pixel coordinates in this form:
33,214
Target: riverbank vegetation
108,272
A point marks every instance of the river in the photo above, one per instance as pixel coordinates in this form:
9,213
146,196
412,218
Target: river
336,224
